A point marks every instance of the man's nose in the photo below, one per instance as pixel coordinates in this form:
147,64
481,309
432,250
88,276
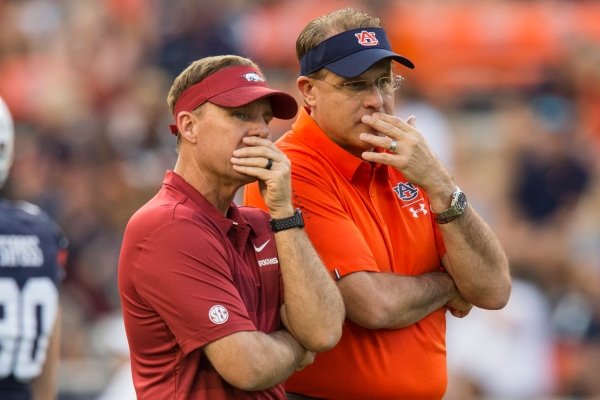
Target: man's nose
374,97
260,130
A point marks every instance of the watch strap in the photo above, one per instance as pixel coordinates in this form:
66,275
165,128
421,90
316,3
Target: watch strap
456,209
281,224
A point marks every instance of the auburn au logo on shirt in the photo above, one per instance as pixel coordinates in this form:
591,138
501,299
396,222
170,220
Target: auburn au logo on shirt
406,191
410,196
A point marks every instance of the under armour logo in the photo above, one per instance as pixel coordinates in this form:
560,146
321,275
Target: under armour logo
253,77
406,191
422,209
366,38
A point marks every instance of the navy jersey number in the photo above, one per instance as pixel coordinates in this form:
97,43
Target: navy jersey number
26,322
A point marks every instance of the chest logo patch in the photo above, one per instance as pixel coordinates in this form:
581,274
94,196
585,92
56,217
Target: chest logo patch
268,261
421,209
218,314
260,248
406,191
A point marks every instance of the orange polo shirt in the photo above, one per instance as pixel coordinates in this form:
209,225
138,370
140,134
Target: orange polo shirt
364,217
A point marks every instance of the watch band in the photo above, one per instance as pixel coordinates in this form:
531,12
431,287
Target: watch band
457,208
281,224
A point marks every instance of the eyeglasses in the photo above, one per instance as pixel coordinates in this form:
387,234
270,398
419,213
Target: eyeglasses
385,84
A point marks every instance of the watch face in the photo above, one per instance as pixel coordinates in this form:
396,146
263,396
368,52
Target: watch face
458,206
461,202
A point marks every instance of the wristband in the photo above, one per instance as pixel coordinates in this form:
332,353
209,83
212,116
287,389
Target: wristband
295,221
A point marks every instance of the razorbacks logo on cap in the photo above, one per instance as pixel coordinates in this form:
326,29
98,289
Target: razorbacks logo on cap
367,38
253,77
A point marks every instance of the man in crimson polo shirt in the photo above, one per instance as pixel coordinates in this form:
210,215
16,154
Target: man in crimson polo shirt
385,216
201,280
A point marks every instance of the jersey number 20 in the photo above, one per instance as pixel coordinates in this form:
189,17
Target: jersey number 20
25,325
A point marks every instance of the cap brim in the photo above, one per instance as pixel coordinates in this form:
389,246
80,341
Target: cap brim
357,63
284,106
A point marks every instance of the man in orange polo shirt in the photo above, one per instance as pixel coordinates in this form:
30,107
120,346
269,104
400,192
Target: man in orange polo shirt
388,220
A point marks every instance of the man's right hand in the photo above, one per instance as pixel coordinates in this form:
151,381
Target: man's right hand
458,306
308,359
274,183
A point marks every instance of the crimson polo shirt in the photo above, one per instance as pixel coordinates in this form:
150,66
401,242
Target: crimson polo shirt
189,275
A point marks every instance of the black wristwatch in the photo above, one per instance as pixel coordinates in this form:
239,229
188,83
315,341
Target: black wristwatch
295,221
457,207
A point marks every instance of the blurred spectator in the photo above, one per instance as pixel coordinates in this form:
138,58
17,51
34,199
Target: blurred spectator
191,31
431,120
551,172
505,356
110,334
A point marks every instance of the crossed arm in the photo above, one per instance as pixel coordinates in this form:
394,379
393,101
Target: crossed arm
312,313
476,261
477,275
257,360
378,300
313,310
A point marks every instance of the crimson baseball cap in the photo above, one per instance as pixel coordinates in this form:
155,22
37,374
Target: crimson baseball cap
234,87
351,53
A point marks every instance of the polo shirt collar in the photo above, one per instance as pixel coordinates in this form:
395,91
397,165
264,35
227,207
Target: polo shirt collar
308,131
224,223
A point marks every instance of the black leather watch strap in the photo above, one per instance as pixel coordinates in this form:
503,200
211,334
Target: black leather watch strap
295,221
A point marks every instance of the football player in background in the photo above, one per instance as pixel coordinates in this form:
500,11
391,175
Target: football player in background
32,254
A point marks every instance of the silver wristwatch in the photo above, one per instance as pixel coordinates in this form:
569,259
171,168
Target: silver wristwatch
457,207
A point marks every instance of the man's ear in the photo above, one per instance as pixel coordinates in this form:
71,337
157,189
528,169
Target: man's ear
185,124
306,88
